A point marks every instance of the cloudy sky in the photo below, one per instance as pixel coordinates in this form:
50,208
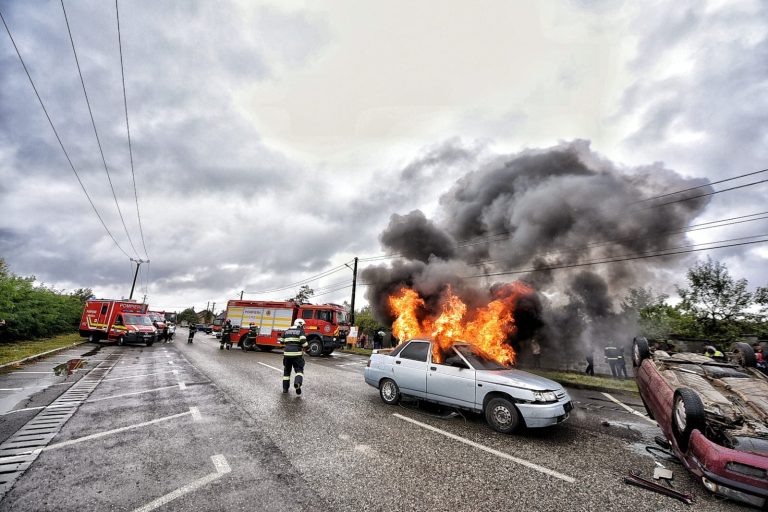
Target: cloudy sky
273,141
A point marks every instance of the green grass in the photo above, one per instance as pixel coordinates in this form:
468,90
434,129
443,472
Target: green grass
581,379
358,351
17,350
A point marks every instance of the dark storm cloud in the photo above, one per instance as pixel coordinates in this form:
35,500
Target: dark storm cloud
543,208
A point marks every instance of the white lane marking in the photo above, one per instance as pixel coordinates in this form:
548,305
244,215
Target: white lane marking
142,375
128,394
11,389
182,385
268,366
522,462
46,373
630,409
222,468
352,364
195,412
114,431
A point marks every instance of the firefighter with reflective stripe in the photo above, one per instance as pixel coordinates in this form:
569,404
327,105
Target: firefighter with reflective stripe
226,335
294,342
713,353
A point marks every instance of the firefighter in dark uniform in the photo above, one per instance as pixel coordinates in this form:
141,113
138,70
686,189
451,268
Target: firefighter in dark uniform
226,335
294,342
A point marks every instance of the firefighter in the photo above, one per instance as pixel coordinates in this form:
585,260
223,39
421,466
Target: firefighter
713,353
294,342
191,333
612,358
226,335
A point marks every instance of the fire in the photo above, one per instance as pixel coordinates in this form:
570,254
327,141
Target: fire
486,327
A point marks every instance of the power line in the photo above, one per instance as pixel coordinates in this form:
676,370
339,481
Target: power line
616,260
299,283
705,195
701,186
128,129
95,132
61,144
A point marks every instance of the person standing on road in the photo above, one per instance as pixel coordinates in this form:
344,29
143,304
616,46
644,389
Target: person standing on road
612,358
294,342
191,333
226,335
378,339
590,362
621,364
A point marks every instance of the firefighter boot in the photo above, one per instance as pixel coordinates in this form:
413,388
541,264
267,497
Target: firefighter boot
221,347
297,382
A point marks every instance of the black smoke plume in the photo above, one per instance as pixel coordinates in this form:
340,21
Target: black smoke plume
527,213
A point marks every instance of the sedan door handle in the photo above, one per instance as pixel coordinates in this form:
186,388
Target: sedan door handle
397,362
433,368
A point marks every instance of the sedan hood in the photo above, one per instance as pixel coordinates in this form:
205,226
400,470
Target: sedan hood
518,379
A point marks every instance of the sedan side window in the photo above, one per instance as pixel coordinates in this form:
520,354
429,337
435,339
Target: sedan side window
418,351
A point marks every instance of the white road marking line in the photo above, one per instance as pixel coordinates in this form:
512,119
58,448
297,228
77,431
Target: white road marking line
222,468
46,373
137,376
195,412
11,389
114,431
268,366
352,364
182,385
128,394
503,455
630,409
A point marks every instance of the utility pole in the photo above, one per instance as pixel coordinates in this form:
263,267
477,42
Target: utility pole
207,305
354,287
241,294
138,264
213,309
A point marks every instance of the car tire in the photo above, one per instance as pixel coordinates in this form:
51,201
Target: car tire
93,338
150,343
501,414
745,355
389,392
120,341
315,348
687,416
265,348
640,351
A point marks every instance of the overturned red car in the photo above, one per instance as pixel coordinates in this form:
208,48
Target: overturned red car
713,412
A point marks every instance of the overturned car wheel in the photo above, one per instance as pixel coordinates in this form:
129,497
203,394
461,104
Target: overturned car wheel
502,415
745,355
389,392
687,416
640,351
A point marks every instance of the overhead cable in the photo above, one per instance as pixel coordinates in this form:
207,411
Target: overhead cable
61,144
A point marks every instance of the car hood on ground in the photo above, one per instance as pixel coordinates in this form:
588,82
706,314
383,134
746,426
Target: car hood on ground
518,379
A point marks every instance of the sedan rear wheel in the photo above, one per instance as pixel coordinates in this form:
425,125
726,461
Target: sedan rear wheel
502,415
389,392
640,351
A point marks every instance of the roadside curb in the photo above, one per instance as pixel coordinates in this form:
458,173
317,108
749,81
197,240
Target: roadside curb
42,354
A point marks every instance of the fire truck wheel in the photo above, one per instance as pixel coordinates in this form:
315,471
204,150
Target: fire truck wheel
265,348
92,338
121,341
315,347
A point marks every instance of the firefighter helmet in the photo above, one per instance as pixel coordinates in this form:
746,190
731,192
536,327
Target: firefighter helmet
299,322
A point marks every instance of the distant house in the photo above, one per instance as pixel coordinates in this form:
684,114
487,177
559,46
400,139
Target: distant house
202,316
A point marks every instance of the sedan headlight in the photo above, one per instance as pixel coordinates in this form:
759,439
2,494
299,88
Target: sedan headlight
544,396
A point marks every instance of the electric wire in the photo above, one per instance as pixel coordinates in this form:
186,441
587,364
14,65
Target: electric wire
701,186
128,130
95,131
61,144
301,282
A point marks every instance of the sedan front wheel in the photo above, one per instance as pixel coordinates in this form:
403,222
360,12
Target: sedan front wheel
502,415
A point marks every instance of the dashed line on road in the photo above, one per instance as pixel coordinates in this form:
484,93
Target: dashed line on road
222,468
117,430
522,462
630,409
142,375
269,366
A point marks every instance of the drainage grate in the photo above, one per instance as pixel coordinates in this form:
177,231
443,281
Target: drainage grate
23,447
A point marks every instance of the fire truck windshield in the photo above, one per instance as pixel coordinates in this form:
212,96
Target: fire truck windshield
341,317
137,320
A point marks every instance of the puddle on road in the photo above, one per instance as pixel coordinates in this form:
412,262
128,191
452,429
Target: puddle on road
69,367
93,351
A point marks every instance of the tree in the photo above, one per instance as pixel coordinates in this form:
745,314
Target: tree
367,323
82,294
188,315
718,301
303,295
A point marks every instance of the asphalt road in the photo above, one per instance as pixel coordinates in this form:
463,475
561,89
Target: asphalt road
199,428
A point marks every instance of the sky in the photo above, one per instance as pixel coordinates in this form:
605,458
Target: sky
274,141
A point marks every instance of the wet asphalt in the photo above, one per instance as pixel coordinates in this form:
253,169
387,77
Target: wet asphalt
335,447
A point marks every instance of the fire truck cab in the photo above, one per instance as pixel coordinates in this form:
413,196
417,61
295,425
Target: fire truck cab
121,321
160,323
325,325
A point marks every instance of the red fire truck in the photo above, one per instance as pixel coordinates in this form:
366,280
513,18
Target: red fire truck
326,325
158,320
123,321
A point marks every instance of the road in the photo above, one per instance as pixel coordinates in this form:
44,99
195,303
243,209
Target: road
192,427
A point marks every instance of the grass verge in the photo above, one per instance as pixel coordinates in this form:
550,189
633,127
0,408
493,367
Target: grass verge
358,351
588,381
17,350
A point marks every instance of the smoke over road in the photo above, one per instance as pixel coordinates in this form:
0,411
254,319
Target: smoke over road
528,212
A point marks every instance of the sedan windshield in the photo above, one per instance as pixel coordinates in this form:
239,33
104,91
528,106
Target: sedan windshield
479,359
137,320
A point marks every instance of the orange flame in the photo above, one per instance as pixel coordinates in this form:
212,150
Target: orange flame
487,327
